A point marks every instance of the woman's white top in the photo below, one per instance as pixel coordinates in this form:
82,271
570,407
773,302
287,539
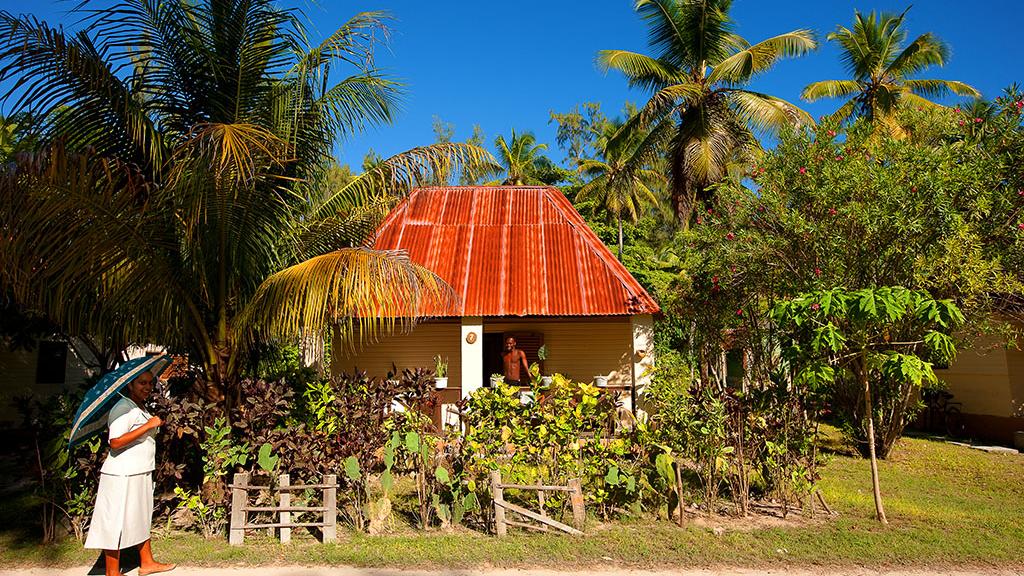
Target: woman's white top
138,457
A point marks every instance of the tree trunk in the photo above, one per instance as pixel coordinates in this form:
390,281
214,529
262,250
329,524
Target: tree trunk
620,237
869,414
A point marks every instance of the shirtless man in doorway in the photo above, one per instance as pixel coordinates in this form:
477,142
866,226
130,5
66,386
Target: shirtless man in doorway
512,360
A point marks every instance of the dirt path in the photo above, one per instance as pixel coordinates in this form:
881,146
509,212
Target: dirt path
348,571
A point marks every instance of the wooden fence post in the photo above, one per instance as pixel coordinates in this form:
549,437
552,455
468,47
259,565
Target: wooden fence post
239,501
284,481
498,495
541,498
579,513
330,531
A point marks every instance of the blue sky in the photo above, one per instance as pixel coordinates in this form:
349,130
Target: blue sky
509,64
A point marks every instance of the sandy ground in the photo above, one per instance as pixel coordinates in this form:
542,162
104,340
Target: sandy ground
348,571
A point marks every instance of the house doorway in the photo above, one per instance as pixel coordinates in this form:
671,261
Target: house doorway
493,347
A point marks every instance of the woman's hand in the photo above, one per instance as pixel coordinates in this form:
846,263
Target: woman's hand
126,439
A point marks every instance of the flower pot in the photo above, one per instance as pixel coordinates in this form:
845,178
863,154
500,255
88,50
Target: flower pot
600,381
546,380
440,383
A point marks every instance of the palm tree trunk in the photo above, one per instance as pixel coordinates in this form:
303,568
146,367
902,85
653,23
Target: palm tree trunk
620,237
682,195
869,414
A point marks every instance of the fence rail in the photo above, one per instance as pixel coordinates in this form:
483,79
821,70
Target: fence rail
240,508
543,521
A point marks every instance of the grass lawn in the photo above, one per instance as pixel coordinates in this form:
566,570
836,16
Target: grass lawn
946,504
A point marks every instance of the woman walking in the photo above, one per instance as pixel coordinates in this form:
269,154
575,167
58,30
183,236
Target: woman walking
124,499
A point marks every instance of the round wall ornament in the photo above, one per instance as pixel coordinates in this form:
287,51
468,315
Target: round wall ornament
471,338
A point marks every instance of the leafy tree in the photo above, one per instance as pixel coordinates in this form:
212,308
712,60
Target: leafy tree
626,175
470,175
697,72
854,210
579,130
884,335
524,162
175,194
881,64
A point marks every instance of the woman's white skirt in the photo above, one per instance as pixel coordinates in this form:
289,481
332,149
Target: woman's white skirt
123,512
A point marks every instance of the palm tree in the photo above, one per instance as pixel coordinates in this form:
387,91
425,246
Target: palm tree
177,190
881,63
624,177
697,73
521,159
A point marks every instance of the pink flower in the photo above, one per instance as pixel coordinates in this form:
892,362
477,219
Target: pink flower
761,208
803,170
957,109
710,211
1020,192
760,171
832,133
977,120
817,271
714,279
730,236
832,212
739,312
913,188
815,306
960,122
1020,226
839,158
732,269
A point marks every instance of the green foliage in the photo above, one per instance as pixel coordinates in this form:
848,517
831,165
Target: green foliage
839,339
566,431
65,486
696,73
221,456
194,190
265,460
209,519
440,366
881,63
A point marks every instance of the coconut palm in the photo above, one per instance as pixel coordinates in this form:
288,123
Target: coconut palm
697,72
521,158
881,64
177,190
625,176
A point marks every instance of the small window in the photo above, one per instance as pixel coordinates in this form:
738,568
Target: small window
51,363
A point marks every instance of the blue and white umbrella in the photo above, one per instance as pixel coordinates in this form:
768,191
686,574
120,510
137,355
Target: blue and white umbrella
92,414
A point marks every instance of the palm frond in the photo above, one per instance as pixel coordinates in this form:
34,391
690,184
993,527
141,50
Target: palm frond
940,88
397,175
926,50
640,70
830,89
743,65
364,292
765,113
67,80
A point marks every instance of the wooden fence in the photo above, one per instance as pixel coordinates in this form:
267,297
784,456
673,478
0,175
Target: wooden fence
543,521
240,508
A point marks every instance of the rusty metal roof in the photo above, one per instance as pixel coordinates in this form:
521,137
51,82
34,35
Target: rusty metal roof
512,251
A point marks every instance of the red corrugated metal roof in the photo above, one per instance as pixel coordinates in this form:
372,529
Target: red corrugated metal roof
513,251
